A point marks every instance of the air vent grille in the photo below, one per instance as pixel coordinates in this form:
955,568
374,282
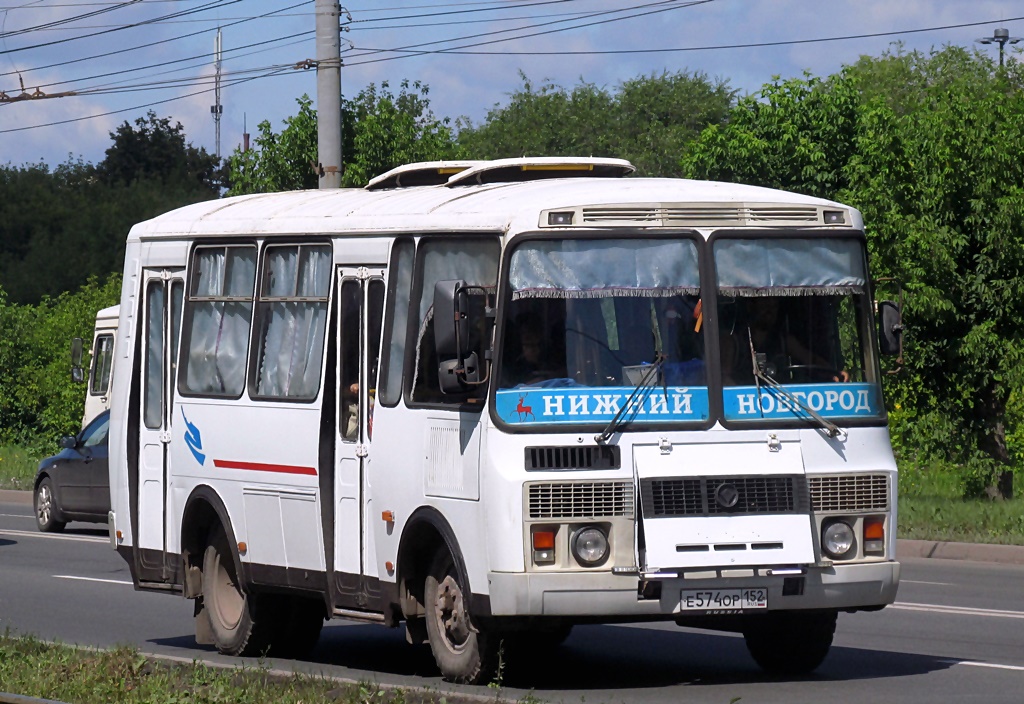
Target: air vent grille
586,457
555,500
728,495
702,216
843,493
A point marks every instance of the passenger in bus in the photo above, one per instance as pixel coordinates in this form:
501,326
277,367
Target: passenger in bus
789,359
535,361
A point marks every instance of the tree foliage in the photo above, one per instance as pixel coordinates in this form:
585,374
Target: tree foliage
380,130
648,120
927,147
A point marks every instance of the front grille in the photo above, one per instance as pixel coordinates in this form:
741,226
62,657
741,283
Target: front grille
589,457
713,496
552,500
842,493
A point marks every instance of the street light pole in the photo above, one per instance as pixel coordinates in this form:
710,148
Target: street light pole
1001,37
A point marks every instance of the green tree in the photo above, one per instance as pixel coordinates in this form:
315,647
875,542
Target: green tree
380,130
156,150
927,147
648,120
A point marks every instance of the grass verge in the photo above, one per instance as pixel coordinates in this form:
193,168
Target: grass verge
30,667
18,467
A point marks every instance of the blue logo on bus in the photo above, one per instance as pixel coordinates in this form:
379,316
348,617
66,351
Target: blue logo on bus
194,440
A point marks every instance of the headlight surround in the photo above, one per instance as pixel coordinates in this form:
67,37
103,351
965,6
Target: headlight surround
838,539
590,546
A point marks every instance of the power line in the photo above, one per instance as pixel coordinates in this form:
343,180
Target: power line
69,20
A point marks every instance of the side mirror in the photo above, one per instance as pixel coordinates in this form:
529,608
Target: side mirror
451,325
69,442
890,329
77,373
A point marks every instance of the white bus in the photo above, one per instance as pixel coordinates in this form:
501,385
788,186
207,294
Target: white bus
495,400
101,367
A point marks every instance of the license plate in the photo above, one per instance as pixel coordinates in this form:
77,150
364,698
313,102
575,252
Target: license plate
723,599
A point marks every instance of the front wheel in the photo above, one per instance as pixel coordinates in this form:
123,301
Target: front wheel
790,642
463,652
46,507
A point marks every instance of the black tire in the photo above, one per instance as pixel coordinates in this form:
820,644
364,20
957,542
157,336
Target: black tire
790,642
46,508
298,624
464,652
239,623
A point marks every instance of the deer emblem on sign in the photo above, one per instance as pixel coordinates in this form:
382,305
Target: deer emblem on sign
524,412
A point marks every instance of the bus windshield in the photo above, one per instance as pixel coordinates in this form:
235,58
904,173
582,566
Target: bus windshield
591,320
795,312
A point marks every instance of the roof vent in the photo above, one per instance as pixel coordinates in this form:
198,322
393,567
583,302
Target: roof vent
541,167
421,173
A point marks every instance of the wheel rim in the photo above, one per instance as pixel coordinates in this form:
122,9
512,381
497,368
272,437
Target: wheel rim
450,614
228,601
44,505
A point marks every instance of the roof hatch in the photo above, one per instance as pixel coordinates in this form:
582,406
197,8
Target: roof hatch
421,173
540,167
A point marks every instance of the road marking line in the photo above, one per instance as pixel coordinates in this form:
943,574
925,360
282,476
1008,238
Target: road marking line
986,664
92,579
17,515
938,584
960,610
53,536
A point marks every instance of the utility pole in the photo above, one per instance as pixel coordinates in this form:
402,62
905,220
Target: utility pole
217,109
1001,37
328,93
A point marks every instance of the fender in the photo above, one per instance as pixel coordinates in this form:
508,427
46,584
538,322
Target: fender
206,494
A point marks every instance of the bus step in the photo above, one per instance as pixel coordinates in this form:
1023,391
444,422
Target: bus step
355,615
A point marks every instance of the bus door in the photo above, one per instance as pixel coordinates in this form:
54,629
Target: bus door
360,313
163,292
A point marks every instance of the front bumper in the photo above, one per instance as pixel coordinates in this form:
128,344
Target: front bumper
595,594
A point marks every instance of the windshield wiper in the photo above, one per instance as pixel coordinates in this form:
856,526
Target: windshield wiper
759,365
639,395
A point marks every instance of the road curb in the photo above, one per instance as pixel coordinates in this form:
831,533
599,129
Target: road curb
974,552
9,496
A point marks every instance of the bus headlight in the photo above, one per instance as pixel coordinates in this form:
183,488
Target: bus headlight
590,546
837,539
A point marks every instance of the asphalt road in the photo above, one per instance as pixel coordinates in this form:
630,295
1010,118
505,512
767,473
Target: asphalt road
956,634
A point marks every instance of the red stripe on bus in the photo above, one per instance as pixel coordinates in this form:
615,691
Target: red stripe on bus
280,468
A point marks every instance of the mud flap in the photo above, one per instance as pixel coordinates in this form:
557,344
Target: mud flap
204,631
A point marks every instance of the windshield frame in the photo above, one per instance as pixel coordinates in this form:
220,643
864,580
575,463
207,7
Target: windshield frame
504,299
709,288
712,350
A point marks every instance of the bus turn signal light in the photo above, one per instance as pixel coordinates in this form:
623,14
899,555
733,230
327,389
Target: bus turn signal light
543,547
874,535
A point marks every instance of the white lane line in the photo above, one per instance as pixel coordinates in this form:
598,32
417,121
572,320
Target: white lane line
54,536
92,579
960,610
937,584
17,515
991,665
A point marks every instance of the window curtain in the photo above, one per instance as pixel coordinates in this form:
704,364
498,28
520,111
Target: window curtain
790,267
604,268
293,340
219,338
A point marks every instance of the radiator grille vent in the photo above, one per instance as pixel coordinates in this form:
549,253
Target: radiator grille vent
843,493
713,496
581,499
589,457
703,216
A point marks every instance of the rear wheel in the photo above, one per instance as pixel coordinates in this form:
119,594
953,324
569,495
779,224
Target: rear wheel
46,508
239,623
790,642
463,652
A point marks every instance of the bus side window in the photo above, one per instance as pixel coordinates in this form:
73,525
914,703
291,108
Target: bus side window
476,262
399,290
292,310
102,360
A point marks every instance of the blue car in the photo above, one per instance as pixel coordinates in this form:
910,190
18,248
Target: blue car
74,485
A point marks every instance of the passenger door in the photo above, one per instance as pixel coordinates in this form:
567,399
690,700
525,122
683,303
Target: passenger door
359,317
163,292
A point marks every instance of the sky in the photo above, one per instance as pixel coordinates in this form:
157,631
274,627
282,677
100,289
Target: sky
95,64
